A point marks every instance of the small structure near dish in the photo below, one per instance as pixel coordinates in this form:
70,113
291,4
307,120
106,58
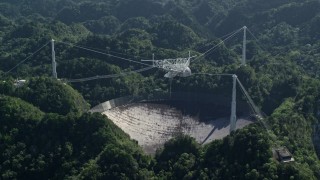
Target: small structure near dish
19,83
283,155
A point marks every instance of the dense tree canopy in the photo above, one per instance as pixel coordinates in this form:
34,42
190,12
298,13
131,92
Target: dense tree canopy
45,132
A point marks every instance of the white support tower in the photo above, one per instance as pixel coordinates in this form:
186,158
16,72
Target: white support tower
233,117
54,64
244,46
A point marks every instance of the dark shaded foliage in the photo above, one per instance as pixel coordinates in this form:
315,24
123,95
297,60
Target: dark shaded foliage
47,134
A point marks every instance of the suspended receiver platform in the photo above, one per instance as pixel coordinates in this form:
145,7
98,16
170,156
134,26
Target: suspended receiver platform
174,67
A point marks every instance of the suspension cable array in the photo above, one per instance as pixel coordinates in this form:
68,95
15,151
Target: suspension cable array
162,65
229,36
32,54
108,76
173,71
259,115
174,66
103,53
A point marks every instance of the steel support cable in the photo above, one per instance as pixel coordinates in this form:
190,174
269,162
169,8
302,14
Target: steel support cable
27,57
252,105
84,66
212,74
261,116
108,76
235,31
100,77
256,109
248,101
107,54
110,51
260,120
256,39
214,47
130,55
201,47
211,49
272,135
242,89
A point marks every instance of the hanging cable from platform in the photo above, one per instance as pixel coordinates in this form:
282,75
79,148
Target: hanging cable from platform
214,47
255,109
103,53
32,54
107,76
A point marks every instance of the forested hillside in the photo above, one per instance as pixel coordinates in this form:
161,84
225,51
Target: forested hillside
46,132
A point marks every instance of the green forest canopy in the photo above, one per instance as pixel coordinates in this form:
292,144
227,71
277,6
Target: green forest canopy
45,132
